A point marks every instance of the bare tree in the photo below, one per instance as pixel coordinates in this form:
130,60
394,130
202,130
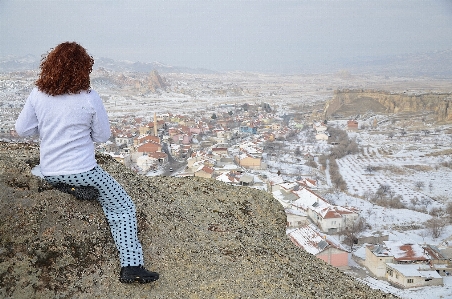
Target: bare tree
436,226
424,233
385,188
438,212
449,211
402,132
352,232
419,185
369,168
368,195
426,132
414,201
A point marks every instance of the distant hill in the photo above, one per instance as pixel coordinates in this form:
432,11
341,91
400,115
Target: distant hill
29,62
433,64
436,64
144,67
12,63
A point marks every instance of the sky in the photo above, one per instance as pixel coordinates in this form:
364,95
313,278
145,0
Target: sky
229,35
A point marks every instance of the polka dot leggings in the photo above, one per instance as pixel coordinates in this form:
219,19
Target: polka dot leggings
118,208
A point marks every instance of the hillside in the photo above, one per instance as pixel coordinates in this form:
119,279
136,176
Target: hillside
347,103
205,238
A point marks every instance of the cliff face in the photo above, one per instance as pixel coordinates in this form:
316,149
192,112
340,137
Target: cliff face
205,238
352,102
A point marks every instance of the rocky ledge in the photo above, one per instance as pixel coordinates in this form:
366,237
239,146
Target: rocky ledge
205,238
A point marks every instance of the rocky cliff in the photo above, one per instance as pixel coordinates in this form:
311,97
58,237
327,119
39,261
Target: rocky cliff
205,238
351,102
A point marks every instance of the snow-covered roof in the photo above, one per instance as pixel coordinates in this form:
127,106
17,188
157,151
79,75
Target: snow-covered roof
310,200
414,270
406,252
295,212
312,240
309,238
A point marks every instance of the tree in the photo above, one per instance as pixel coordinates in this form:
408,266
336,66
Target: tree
385,188
436,226
369,168
368,195
230,112
449,211
419,185
297,151
352,232
402,132
426,132
214,116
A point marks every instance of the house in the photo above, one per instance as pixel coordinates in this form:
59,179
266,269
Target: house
352,125
330,219
248,129
322,246
308,183
220,151
126,139
246,180
203,172
249,161
149,147
378,255
144,139
412,275
439,261
159,156
319,127
376,258
296,218
286,199
321,136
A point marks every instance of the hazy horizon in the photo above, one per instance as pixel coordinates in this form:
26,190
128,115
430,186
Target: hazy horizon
229,35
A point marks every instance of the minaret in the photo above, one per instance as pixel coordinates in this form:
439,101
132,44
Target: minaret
155,124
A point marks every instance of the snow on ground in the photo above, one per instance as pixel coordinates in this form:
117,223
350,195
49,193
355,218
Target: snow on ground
413,293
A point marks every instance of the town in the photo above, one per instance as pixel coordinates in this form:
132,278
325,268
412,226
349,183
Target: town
366,194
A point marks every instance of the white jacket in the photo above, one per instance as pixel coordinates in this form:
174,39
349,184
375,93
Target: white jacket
67,126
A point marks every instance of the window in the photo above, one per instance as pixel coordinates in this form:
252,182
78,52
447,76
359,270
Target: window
410,280
389,271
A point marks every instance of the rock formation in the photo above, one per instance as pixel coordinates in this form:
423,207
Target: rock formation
351,102
155,81
205,238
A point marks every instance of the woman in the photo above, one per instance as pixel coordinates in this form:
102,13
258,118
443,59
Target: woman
69,117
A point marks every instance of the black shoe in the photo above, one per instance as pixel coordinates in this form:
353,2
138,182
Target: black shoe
80,192
137,273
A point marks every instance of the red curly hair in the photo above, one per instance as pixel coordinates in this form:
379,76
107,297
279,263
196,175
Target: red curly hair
65,70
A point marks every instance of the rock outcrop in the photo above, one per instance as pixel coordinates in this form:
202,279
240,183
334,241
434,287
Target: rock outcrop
156,82
351,102
205,238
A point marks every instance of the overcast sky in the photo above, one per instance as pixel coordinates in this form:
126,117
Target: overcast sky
260,35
